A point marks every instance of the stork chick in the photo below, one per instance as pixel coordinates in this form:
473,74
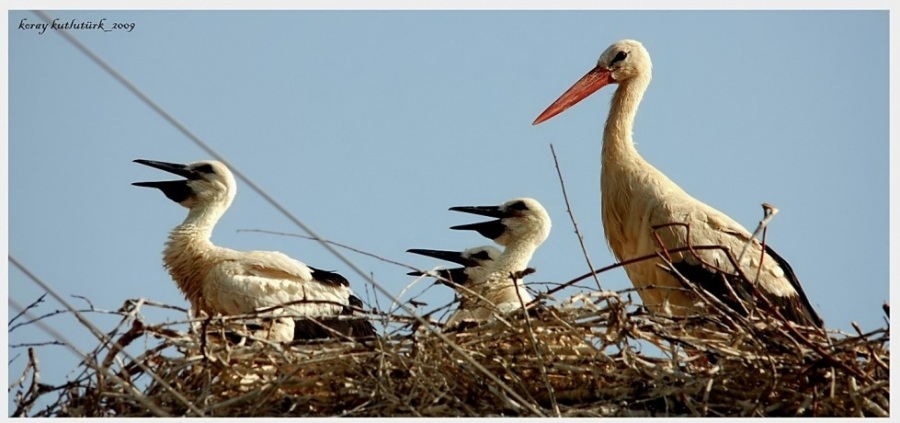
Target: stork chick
521,226
217,280
636,198
476,262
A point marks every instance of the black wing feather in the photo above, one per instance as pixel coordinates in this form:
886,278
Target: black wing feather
328,278
324,327
714,283
795,308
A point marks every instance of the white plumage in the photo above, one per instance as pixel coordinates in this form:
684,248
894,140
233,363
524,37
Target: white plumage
218,280
521,226
475,263
464,280
636,197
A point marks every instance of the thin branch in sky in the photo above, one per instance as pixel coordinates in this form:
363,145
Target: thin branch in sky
562,184
769,212
41,317
28,307
85,299
337,244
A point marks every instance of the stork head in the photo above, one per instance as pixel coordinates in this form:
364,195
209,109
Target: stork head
518,220
623,61
206,182
476,261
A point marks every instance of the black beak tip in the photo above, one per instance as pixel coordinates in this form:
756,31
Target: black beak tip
177,191
151,163
175,168
489,211
491,229
452,256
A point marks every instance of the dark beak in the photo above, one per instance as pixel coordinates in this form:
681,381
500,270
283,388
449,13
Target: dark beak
489,211
452,256
176,191
456,275
491,229
178,169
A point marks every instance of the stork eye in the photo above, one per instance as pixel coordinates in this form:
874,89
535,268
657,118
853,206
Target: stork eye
481,255
518,205
207,168
620,56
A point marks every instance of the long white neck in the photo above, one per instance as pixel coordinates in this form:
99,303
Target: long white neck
621,167
515,257
617,135
503,284
496,287
199,223
188,250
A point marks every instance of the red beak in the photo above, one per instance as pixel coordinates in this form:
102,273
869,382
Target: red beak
588,84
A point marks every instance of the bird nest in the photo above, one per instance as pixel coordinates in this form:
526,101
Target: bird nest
592,355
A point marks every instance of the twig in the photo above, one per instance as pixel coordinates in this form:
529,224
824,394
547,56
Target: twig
393,307
56,313
37,344
83,298
34,389
28,307
769,213
337,244
562,184
537,351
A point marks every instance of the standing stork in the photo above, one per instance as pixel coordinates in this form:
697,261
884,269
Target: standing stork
218,280
636,198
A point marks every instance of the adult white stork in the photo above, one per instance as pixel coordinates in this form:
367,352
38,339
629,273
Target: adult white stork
637,197
218,280
463,280
521,226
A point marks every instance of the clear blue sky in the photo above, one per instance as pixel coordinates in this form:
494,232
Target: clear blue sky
369,125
